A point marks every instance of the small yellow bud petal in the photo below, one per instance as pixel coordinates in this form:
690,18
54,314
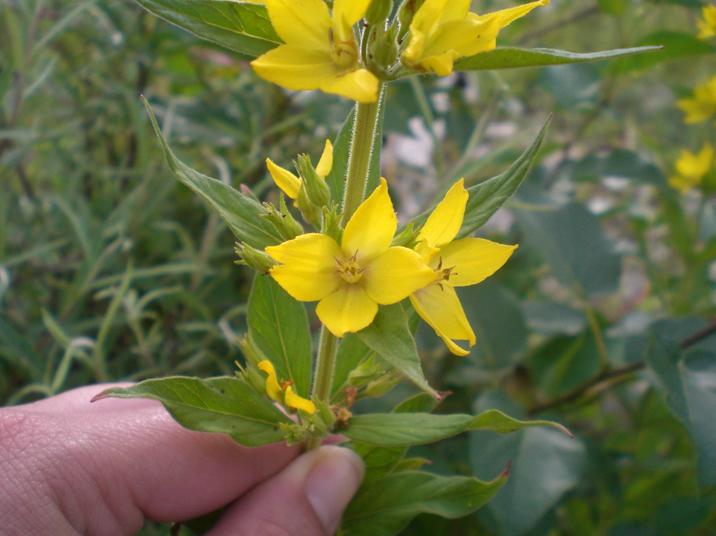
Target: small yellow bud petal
273,389
284,179
325,164
295,401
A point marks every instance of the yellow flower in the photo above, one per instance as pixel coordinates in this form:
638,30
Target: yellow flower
320,50
289,183
692,168
445,30
458,263
707,25
703,104
350,280
275,390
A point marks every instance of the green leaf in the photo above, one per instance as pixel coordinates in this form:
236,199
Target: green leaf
488,196
351,352
278,325
510,57
244,215
384,507
341,152
499,323
573,243
224,405
545,466
389,336
689,379
675,45
619,163
239,26
407,429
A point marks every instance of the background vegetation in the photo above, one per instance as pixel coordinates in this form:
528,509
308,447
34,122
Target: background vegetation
109,270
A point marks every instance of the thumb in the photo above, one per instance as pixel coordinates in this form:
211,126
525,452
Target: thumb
307,498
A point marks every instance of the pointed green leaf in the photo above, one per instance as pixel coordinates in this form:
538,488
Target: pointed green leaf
674,45
351,352
390,338
511,57
239,26
384,507
244,215
278,325
488,196
406,429
224,405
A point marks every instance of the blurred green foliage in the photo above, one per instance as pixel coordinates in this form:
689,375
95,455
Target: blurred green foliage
111,270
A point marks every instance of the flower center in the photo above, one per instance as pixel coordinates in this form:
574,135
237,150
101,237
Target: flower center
443,272
343,53
349,269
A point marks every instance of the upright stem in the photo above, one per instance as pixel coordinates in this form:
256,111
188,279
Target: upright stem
325,365
365,130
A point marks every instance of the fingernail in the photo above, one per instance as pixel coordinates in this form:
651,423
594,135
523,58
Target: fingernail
332,482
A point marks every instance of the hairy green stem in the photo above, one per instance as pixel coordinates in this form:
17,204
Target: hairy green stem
365,131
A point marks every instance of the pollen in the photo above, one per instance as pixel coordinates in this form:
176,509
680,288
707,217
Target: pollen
349,269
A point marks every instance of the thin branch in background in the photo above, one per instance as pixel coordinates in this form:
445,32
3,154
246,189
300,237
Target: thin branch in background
617,375
560,24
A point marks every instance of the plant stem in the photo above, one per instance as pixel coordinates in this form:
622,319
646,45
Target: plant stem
325,365
365,130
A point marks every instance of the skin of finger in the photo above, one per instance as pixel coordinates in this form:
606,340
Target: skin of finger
282,506
80,400
105,471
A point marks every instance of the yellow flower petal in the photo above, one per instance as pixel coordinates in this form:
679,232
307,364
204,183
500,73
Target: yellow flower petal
492,23
273,389
347,310
325,164
395,274
301,22
284,179
707,26
370,230
439,306
295,401
345,14
308,266
445,221
472,260
360,85
683,184
296,67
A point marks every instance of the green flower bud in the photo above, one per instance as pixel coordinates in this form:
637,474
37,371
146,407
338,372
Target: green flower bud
283,220
314,185
379,11
254,258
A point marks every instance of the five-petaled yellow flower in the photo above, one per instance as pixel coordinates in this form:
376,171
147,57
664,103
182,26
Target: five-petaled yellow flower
320,50
458,263
703,104
444,30
284,394
289,183
350,280
692,168
707,25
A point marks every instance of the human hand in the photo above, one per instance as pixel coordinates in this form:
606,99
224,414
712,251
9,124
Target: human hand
71,467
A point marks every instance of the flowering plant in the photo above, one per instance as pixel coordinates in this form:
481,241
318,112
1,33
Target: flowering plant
343,248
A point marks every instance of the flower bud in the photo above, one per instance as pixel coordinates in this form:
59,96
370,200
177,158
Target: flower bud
379,11
253,258
314,185
283,220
